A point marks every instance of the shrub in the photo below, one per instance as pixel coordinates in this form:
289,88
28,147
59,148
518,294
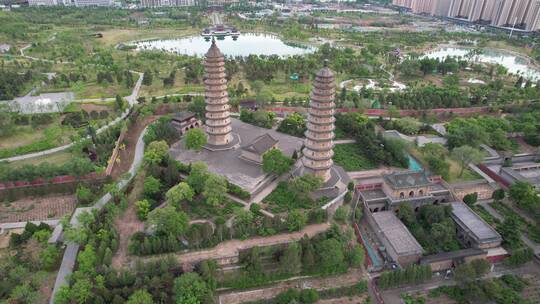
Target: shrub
296,220
143,208
84,195
520,257
342,213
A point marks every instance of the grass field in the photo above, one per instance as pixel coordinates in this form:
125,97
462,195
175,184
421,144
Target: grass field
350,158
55,158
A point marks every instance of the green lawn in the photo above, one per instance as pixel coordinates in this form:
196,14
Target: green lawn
350,158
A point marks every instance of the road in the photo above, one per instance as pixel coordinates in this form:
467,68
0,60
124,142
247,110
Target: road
131,99
70,254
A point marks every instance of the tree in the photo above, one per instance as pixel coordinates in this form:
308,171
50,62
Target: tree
357,256
406,214
197,176
466,155
510,232
215,188
342,213
140,296
48,258
304,185
470,198
84,195
275,162
291,260
331,257
296,220
156,152
499,194
91,132
169,221
152,187
119,102
190,288
294,124
195,139
143,208
179,193
148,78
87,260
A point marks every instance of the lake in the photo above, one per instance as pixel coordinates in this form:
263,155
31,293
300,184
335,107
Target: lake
515,64
246,44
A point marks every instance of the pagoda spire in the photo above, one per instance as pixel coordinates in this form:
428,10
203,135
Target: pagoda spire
218,122
319,144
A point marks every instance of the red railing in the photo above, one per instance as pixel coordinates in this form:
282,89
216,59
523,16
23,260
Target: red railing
494,176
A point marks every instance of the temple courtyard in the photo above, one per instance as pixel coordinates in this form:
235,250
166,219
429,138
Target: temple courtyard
231,161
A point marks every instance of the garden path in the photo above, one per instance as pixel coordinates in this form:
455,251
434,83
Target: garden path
535,246
132,100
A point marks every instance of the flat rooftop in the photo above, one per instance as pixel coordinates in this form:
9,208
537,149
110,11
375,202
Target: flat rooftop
399,237
470,221
247,175
373,194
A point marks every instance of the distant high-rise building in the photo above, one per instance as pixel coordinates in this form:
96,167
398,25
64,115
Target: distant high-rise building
167,3
42,2
82,3
521,14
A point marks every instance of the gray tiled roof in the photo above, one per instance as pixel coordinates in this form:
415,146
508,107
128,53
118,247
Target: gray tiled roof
184,115
261,144
471,222
399,237
407,179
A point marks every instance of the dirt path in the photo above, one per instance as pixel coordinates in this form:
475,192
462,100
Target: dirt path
127,224
130,140
231,248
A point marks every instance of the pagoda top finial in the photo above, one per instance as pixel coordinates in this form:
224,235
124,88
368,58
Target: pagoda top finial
213,51
325,62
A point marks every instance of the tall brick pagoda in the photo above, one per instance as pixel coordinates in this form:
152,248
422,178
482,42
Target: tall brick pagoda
319,144
218,122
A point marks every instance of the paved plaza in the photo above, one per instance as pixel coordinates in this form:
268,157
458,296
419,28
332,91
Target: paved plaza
228,163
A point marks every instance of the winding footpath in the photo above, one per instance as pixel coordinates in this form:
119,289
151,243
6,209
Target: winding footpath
131,99
70,254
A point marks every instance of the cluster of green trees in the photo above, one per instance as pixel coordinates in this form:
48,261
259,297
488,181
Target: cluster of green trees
325,254
411,67
307,296
29,265
75,167
161,130
526,198
432,226
259,118
527,122
275,162
295,194
480,130
406,125
414,274
506,289
294,124
12,84
374,146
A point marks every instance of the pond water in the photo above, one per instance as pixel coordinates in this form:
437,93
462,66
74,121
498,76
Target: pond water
246,44
515,64
414,164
